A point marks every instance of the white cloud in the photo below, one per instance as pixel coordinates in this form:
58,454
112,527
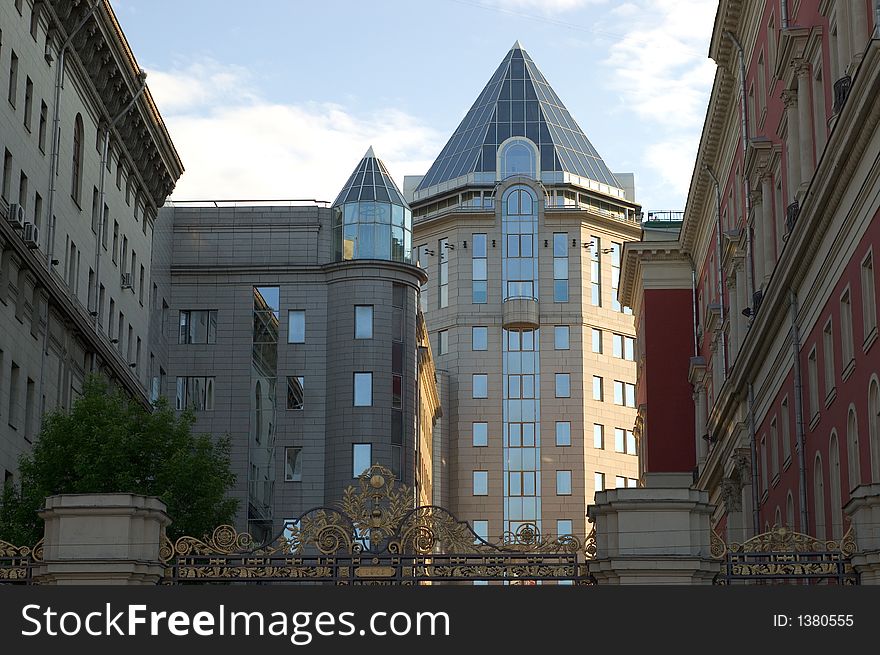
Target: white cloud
663,75
237,145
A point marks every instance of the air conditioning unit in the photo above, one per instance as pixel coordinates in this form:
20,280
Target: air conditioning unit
126,281
48,55
16,215
31,235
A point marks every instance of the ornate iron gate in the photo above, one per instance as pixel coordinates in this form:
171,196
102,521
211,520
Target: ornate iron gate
785,557
377,536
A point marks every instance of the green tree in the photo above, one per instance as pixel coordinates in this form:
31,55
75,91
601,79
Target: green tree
109,443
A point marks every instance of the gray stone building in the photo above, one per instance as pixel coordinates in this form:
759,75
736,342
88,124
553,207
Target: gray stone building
86,162
519,224
293,328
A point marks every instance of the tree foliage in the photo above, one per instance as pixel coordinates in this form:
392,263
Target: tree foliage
109,443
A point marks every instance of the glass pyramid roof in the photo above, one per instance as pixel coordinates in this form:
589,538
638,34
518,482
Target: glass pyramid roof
370,181
518,101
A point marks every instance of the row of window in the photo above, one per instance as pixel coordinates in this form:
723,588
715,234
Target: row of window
519,251
525,483
361,459
624,392
845,339
624,440
623,347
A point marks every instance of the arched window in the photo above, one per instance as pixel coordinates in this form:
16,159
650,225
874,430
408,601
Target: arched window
819,498
789,511
854,468
777,521
76,164
874,428
834,483
519,223
517,157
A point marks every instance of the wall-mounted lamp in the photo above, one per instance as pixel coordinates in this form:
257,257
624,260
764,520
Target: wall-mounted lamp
607,250
429,252
450,246
545,243
133,364
747,311
493,243
114,340
574,243
710,438
464,244
588,246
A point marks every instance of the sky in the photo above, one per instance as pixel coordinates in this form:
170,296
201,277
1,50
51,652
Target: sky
279,99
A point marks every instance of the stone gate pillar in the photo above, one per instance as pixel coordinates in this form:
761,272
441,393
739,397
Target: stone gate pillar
657,534
863,509
106,539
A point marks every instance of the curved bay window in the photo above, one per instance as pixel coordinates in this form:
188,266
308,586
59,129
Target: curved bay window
519,224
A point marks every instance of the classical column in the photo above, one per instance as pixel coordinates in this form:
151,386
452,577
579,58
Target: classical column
731,496
859,34
844,48
733,315
805,121
743,464
701,446
742,299
792,161
768,229
757,220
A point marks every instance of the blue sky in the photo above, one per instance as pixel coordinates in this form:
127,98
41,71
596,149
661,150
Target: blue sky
280,99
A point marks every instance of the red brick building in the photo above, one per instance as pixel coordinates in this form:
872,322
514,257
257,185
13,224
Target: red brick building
757,314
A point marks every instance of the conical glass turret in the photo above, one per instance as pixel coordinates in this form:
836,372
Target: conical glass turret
371,220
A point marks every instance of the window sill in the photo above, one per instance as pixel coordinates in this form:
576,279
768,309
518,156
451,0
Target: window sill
848,369
830,397
869,340
815,420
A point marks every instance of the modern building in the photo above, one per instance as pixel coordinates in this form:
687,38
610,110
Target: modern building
295,329
758,317
520,224
86,162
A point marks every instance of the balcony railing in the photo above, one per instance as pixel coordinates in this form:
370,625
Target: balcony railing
663,216
841,92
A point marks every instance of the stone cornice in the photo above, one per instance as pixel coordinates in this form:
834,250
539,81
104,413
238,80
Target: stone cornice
638,253
102,51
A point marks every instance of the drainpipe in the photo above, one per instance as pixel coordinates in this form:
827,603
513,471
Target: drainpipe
56,133
720,267
753,449
799,410
105,153
785,14
745,149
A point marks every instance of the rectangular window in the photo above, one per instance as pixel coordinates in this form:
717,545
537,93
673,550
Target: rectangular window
28,103
13,78
631,443
30,390
480,272
774,448
597,341
828,356
619,482
596,271
598,393
194,392
105,226
96,202
813,376
617,345
480,338
480,433
443,283
363,389
786,435
481,529
443,342
598,436
629,348
481,483
292,465
23,190
560,337
616,250
295,393
422,262
560,267
599,481
480,383
618,392
296,326
563,433
563,483
619,440
363,321
361,457
630,393
846,331
12,413
765,478
869,300
563,385
198,326
563,527
7,175
44,121
115,241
